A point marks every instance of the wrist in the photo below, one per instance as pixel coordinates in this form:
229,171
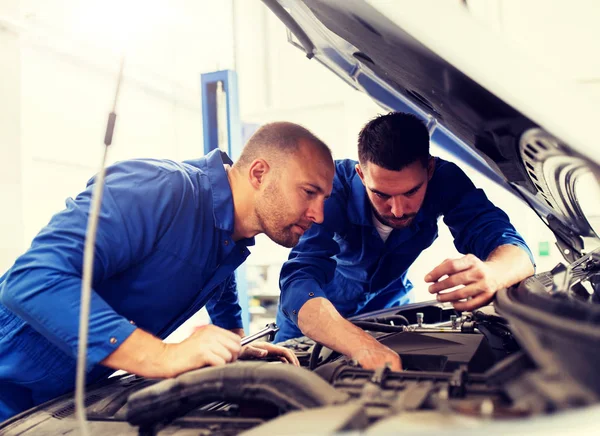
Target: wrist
497,274
364,341
166,363
238,331
158,361
142,354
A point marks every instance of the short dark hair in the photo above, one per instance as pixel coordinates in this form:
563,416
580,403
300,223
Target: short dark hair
278,138
394,141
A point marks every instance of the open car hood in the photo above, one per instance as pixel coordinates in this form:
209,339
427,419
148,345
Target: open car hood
484,101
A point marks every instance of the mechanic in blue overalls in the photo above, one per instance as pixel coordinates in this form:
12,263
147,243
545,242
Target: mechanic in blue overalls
382,214
170,236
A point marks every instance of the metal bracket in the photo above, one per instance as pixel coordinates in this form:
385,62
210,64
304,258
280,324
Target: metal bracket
568,242
578,271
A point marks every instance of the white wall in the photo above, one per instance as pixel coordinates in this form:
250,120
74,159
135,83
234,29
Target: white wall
11,215
60,63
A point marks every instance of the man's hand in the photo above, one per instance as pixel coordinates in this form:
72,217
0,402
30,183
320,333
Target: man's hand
263,349
146,355
377,356
207,346
319,320
478,281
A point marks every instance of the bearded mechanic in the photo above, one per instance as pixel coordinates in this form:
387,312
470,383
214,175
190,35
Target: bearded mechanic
169,238
383,212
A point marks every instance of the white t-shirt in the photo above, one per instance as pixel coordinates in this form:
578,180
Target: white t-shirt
383,230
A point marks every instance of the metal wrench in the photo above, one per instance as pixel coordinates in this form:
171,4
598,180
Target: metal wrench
268,330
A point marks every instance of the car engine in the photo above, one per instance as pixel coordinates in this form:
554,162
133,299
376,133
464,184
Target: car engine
501,362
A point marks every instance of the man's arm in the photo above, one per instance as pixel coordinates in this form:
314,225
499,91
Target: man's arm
145,355
43,287
496,255
505,266
240,332
224,307
302,280
320,321
310,268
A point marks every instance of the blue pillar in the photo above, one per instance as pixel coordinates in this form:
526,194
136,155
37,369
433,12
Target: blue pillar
233,143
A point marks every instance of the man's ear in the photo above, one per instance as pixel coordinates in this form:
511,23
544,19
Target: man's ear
430,167
360,173
257,171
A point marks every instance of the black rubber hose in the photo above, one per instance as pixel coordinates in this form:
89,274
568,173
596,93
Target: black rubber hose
314,356
287,387
399,319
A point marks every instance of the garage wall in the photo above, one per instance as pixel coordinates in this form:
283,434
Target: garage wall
11,174
59,67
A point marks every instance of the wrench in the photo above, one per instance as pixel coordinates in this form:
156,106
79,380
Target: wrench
268,330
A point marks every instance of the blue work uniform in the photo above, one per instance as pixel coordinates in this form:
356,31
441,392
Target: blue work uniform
345,260
164,250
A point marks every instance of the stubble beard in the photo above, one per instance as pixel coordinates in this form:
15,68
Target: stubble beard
270,216
394,225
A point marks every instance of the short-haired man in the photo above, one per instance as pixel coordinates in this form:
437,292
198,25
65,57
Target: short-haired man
169,239
383,212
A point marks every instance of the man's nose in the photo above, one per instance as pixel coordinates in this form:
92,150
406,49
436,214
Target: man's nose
315,212
397,206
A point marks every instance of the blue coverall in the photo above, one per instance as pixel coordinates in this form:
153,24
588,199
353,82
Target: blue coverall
345,260
163,251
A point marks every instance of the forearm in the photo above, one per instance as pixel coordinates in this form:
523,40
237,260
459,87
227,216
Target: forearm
512,263
141,354
319,320
148,356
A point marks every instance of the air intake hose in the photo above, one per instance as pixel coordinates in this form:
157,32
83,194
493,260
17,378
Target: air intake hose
285,386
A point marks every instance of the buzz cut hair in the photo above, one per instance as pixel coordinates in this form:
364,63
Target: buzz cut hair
278,139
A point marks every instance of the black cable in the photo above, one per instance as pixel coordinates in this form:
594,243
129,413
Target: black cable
314,356
377,327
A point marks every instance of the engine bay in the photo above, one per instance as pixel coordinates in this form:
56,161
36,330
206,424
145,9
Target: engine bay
470,367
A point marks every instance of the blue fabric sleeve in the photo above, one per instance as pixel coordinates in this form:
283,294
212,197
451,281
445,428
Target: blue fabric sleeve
44,285
224,308
311,265
478,227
